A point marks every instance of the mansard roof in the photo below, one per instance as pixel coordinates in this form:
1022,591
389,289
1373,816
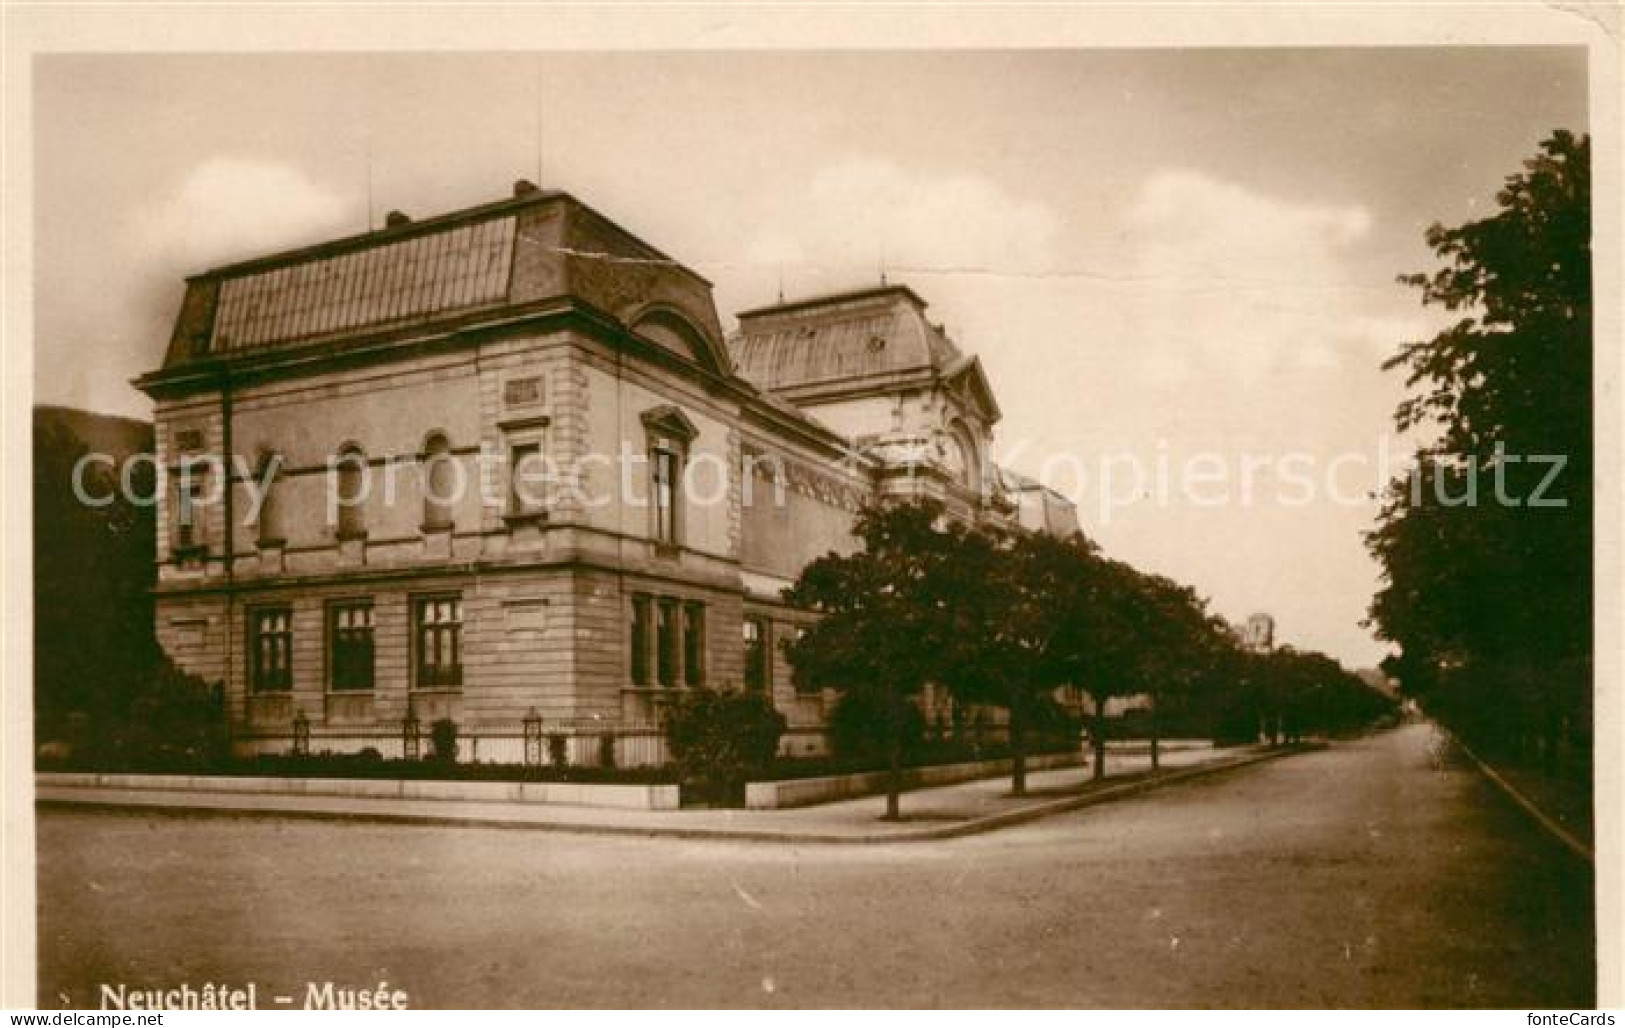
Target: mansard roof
875,339
490,260
879,333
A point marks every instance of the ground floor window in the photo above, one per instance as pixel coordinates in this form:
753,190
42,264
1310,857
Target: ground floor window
438,630
756,654
666,642
640,640
694,644
349,646
666,655
271,647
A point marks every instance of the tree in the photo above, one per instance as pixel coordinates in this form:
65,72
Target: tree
1314,694
1089,632
1490,598
93,568
885,627
105,695
1237,701
997,589
1178,649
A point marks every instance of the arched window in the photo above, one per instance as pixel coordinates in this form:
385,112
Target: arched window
440,482
192,499
962,457
351,493
267,483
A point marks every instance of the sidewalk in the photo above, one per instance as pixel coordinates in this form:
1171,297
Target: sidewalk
934,813
1563,809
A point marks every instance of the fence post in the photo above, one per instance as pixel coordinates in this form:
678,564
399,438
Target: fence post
301,733
533,738
410,744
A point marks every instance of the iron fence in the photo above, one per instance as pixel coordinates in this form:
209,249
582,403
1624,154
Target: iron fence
529,743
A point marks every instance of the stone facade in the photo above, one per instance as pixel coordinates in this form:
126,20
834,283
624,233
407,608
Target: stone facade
314,405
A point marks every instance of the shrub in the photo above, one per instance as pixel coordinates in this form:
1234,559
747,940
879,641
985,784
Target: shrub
443,741
858,728
176,721
720,739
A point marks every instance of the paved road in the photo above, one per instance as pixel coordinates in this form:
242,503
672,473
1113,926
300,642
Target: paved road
1373,874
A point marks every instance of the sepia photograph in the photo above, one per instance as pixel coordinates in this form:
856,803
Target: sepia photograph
993,524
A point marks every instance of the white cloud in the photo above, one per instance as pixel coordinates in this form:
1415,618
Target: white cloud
1236,280
228,208
856,213
221,210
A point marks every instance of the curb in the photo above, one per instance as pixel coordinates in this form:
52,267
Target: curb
1524,803
1105,794
976,826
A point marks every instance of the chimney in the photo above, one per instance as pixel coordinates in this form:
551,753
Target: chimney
524,187
395,219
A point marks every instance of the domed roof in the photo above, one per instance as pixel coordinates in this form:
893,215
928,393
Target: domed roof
844,338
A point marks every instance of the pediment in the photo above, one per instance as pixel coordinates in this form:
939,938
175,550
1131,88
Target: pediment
669,421
970,383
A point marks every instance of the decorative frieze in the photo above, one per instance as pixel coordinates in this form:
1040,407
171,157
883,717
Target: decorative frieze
804,479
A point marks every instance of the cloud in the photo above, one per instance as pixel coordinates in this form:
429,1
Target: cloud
856,214
1226,279
1208,209
229,208
126,291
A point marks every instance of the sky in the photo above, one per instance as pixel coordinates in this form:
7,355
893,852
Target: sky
1166,255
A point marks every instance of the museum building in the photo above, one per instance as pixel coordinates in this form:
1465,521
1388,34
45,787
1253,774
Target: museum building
502,466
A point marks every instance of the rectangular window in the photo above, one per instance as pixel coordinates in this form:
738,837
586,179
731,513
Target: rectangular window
694,644
664,494
666,643
640,640
439,642
527,480
349,646
271,649
756,652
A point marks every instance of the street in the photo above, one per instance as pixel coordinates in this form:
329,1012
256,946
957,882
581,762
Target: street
1376,873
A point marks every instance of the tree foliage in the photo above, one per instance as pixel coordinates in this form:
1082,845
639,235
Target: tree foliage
886,624
860,728
105,697
1011,619
1002,624
1486,551
93,575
